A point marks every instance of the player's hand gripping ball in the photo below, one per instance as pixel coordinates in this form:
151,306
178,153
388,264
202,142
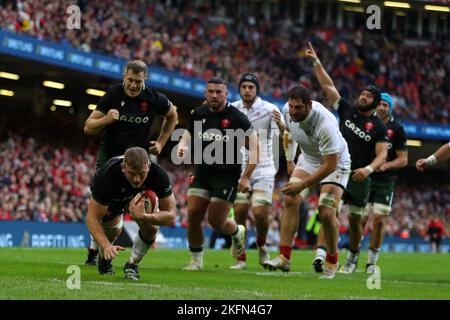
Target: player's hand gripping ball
150,202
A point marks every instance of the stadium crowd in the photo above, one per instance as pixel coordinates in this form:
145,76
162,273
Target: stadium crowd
197,40
48,183
43,183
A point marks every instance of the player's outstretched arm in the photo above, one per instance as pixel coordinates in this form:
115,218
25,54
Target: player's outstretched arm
98,120
443,153
95,213
168,125
322,76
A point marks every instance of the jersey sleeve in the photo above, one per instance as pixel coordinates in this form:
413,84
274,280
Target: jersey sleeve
162,104
163,188
243,123
400,140
107,101
343,107
381,133
99,189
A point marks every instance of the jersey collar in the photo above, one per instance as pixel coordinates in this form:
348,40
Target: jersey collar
254,105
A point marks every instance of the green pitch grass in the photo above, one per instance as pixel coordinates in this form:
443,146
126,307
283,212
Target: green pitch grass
41,274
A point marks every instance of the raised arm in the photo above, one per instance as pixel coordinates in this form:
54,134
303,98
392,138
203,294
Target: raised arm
322,76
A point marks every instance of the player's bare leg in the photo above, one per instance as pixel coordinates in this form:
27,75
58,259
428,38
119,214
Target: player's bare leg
364,221
290,219
376,240
93,248
218,218
289,226
197,207
321,253
330,196
261,215
241,207
142,243
355,234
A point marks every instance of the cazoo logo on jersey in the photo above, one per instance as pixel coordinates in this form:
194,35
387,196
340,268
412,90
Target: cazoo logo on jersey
357,131
223,147
213,135
134,119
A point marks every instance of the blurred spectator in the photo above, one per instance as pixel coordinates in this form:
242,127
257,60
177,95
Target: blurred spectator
436,232
43,183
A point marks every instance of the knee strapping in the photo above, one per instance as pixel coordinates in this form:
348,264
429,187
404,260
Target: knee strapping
202,193
242,198
329,200
261,198
360,211
381,209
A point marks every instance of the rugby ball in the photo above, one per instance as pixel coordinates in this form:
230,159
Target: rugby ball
151,201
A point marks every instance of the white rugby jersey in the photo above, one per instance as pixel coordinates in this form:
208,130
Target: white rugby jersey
318,135
260,116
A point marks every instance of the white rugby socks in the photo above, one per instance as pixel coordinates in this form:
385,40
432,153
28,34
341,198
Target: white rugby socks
140,249
373,256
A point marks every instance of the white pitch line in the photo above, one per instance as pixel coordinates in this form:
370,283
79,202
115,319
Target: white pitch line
280,274
180,289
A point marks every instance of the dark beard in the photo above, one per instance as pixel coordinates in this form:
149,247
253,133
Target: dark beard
364,108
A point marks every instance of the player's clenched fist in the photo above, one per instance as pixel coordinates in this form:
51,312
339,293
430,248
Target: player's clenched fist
421,164
112,115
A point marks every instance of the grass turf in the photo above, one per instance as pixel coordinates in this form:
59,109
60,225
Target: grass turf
41,274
